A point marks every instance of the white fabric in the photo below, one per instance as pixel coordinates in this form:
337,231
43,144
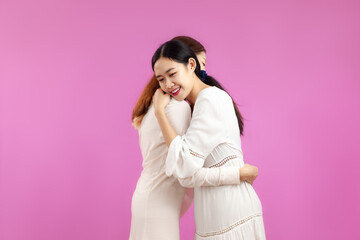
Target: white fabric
159,200
212,140
206,177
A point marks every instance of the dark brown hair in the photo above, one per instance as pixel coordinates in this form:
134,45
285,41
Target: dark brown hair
180,52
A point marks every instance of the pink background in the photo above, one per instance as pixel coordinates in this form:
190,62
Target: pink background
71,72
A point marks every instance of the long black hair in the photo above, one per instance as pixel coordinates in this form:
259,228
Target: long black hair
181,53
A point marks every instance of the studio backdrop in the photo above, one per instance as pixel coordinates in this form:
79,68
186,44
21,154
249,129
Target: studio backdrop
72,71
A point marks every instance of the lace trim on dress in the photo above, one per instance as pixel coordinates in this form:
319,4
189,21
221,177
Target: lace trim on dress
225,160
229,228
192,152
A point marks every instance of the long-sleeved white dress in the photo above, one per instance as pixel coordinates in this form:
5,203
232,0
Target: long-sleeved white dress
159,200
213,140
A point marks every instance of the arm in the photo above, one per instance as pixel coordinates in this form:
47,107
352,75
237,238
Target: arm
187,153
178,115
212,177
247,173
166,128
221,176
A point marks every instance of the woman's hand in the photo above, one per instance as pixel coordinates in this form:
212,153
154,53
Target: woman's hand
160,100
248,173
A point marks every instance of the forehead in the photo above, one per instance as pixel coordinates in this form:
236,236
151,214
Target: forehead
201,55
164,64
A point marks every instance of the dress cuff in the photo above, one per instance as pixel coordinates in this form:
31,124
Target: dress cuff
230,175
179,161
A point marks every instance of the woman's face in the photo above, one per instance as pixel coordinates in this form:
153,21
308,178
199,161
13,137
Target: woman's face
176,79
202,60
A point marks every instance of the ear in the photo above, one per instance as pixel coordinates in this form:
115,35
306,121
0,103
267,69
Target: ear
192,64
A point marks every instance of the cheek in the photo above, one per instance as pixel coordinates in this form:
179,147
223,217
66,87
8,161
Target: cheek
162,85
181,79
186,80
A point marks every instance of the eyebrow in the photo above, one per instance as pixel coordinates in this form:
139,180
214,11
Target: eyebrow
165,72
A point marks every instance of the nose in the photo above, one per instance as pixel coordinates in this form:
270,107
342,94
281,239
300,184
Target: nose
169,84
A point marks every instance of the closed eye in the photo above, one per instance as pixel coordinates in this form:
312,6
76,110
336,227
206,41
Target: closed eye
172,74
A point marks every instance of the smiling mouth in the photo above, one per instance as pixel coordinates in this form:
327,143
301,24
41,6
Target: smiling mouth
176,91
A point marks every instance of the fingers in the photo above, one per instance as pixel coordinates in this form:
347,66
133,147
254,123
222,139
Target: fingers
158,91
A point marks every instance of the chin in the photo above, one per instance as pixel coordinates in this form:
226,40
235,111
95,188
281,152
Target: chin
178,98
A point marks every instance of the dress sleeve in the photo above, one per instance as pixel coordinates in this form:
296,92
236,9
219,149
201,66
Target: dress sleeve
207,129
207,177
179,115
212,177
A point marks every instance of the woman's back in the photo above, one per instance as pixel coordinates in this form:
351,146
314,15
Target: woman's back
151,141
157,200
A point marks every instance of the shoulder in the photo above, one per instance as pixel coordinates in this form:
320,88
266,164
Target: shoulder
213,96
179,115
177,107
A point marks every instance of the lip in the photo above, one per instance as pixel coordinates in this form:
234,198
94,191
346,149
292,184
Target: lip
177,92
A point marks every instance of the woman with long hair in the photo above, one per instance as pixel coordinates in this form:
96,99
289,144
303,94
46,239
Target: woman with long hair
159,201
212,140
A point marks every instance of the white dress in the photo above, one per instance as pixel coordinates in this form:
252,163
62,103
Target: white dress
158,200
213,140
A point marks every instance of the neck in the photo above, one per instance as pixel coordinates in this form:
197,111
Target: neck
198,86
